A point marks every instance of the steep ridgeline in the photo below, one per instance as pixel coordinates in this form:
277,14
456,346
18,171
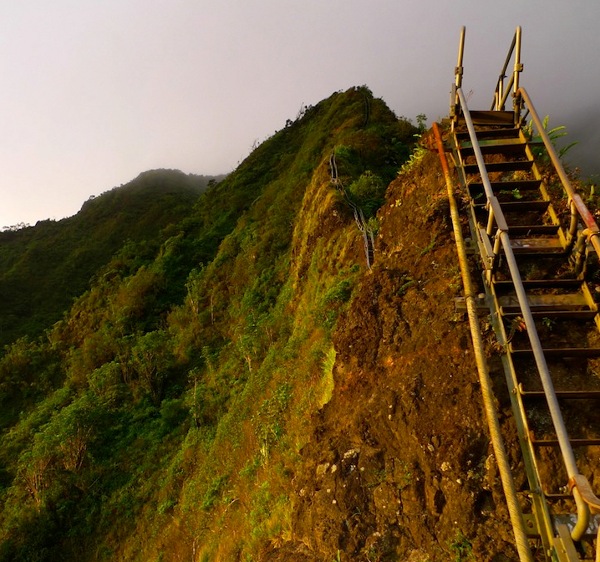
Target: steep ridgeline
44,267
168,415
398,464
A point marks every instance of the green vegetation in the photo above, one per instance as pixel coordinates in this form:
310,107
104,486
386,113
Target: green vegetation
170,399
368,192
461,548
514,193
429,246
554,135
407,283
43,268
414,158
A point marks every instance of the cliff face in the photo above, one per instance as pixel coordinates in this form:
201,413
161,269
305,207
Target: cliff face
163,417
398,465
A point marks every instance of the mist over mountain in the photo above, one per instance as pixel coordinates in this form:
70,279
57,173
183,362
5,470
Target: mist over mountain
583,128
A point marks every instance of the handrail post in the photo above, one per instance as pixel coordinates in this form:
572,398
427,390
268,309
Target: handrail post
518,68
518,65
458,74
501,92
458,71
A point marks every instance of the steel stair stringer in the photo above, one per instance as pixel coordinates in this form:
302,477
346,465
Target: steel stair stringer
542,310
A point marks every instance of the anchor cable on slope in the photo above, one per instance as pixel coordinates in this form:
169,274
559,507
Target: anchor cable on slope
359,217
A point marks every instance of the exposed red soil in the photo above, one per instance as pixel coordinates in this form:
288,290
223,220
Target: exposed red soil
399,465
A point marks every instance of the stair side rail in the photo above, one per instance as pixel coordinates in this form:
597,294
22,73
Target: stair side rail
458,74
578,484
591,231
485,379
503,90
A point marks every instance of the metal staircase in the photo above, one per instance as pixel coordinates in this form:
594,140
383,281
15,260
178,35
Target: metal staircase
534,240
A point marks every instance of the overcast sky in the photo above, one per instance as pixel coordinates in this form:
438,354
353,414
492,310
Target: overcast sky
94,92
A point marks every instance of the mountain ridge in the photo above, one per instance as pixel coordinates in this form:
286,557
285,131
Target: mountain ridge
71,250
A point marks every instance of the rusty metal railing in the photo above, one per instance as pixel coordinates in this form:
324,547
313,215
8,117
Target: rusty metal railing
578,483
502,91
485,380
458,73
591,230
582,227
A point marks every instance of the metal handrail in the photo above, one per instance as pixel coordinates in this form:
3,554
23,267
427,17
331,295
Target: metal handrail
501,93
580,487
591,231
485,380
487,186
359,217
458,73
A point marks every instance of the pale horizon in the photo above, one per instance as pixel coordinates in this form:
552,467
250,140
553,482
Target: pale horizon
96,93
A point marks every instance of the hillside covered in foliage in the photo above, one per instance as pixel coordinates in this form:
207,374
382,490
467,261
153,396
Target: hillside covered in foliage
164,414
43,268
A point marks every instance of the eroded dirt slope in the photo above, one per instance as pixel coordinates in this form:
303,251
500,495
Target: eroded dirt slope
399,465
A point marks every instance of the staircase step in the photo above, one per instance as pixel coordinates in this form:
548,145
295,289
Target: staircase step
583,352
539,284
557,496
546,302
531,246
503,133
526,230
574,442
495,118
501,146
500,186
524,206
577,315
564,394
516,166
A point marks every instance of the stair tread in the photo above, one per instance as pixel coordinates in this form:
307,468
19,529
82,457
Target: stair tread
583,315
567,301
564,394
516,166
522,206
541,284
497,186
574,442
534,245
533,229
496,147
503,141
561,352
496,118
490,133
557,496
